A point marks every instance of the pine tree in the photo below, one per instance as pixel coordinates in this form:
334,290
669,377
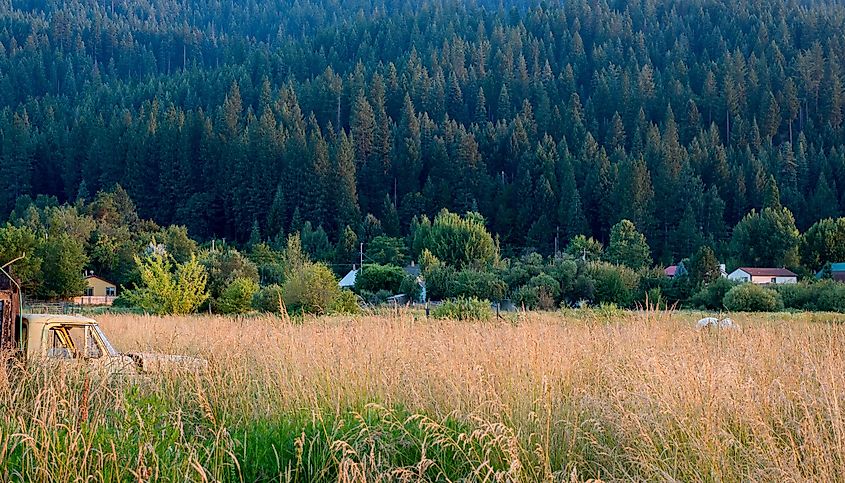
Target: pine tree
408,165
481,115
346,250
771,194
823,203
277,215
503,106
316,184
773,118
371,182
390,218
693,121
15,161
687,236
254,234
792,104
344,193
617,133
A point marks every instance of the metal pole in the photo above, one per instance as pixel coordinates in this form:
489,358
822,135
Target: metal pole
20,300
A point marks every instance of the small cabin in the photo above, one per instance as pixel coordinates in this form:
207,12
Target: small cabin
98,291
837,271
763,276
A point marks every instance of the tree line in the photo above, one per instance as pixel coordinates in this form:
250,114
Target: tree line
248,121
161,269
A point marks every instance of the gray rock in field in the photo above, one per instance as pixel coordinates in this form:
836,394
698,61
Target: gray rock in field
714,323
706,323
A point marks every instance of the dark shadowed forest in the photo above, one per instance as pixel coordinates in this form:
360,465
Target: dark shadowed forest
551,119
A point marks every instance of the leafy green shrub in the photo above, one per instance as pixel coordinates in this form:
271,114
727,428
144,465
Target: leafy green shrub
237,297
826,295
628,246
444,282
585,248
583,289
546,284
480,284
267,299
564,271
168,288
438,280
608,311
654,298
749,297
345,303
652,281
525,296
224,266
269,263
613,283
458,241
712,295
411,287
830,296
516,273
312,288
463,308
387,250
372,278
799,296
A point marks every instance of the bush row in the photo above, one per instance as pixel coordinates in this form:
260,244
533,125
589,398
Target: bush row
536,283
825,295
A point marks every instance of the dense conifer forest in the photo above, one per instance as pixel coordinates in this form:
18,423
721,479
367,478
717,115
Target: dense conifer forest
551,119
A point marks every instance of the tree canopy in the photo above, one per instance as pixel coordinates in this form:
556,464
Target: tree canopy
246,121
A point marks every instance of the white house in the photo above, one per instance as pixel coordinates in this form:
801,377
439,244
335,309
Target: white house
348,281
763,275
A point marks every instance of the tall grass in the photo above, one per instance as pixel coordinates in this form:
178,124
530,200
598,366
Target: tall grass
540,397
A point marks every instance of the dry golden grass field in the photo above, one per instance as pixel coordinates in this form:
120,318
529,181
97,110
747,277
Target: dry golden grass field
540,397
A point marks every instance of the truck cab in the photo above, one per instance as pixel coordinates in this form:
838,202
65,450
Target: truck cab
65,337
62,339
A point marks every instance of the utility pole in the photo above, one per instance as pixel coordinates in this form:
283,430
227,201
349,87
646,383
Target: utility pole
557,237
361,255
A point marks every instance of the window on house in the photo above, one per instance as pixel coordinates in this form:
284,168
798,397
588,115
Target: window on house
89,291
774,280
110,292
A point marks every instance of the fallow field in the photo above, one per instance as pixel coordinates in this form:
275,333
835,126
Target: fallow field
537,397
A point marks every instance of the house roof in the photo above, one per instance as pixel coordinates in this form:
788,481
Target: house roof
100,278
349,279
670,270
837,267
767,272
413,270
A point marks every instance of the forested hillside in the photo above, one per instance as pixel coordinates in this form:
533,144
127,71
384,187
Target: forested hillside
554,118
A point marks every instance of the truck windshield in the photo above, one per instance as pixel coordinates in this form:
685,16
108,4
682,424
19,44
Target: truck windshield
109,348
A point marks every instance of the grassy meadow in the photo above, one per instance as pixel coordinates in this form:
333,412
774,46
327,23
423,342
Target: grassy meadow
538,397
